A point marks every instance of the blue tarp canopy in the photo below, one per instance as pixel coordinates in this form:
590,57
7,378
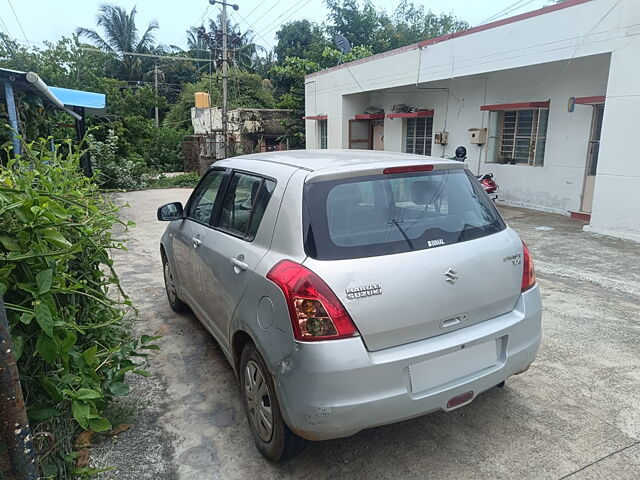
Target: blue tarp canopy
92,102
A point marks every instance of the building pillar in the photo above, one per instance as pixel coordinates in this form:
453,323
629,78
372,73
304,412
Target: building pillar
616,198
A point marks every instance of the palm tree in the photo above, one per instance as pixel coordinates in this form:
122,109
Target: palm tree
120,35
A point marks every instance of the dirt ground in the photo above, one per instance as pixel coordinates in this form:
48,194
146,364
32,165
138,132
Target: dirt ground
575,413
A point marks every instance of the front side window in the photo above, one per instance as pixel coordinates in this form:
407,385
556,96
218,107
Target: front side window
522,136
244,204
418,135
202,203
387,214
322,133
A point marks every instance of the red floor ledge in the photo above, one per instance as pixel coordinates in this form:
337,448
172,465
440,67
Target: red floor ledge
582,216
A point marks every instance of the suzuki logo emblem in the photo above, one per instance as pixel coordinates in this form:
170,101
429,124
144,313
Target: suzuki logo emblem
451,276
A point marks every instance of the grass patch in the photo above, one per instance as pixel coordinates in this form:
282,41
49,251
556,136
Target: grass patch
185,180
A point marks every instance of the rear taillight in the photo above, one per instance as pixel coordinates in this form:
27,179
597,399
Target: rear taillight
316,313
528,272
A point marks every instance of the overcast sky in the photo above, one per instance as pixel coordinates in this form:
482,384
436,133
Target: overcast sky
48,20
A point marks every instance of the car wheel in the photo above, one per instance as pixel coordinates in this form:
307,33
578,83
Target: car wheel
176,304
271,434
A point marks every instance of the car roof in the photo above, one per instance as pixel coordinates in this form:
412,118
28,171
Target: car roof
329,159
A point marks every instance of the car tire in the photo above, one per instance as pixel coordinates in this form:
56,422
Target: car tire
261,405
170,287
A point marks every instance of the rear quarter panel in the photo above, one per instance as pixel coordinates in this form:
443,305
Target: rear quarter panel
263,312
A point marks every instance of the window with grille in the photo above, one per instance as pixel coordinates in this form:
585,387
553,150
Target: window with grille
418,135
322,133
522,136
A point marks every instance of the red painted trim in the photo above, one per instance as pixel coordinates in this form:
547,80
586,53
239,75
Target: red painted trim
369,116
515,106
582,216
421,113
590,100
314,117
444,38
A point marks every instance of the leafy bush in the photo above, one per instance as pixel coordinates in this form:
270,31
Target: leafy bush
67,312
164,151
112,170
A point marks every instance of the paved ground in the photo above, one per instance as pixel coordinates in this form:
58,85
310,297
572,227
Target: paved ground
575,413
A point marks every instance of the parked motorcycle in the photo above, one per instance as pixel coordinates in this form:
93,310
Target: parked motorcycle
489,184
486,180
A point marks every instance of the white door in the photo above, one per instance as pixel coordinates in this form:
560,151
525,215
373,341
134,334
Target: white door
378,135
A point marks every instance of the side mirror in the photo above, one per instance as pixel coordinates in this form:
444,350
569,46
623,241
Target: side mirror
170,212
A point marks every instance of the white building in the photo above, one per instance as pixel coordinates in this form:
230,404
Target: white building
552,96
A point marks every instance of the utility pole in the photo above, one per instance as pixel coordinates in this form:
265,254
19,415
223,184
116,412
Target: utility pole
225,74
155,76
225,71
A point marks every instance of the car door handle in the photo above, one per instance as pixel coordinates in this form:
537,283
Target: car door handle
239,264
196,242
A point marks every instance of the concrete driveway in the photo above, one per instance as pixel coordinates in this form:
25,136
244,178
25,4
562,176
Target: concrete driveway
575,413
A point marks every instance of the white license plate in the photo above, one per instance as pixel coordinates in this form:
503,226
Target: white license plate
452,366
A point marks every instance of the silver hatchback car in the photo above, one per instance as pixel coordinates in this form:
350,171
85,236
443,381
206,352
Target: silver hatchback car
350,289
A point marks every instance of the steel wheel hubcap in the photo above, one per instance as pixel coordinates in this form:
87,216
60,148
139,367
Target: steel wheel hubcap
168,281
258,401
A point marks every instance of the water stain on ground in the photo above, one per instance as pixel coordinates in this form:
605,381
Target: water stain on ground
201,458
221,415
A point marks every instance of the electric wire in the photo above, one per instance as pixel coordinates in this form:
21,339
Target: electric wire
258,6
149,55
200,18
253,30
502,12
514,9
4,27
7,38
285,20
268,28
18,20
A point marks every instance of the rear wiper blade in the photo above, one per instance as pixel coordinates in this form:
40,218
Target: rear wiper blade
404,234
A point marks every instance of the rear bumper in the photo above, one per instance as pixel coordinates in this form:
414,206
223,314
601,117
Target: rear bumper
335,389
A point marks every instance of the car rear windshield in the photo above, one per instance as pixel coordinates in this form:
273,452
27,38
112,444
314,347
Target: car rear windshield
387,214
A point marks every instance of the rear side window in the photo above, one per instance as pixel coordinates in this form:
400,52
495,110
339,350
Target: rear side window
386,214
244,204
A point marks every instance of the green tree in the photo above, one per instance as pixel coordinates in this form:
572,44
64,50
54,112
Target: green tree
411,24
64,63
289,76
366,26
360,26
120,35
301,38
